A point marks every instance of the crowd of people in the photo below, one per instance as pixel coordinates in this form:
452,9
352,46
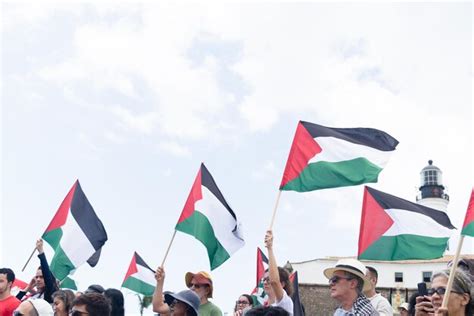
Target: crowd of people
351,284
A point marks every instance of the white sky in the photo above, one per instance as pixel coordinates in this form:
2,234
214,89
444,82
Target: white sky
130,98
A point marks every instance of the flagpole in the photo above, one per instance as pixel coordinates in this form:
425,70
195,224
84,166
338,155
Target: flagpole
168,250
28,261
453,271
275,209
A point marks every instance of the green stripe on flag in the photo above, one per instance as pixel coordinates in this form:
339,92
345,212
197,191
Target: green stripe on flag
53,237
68,283
404,247
198,225
324,175
468,230
138,286
61,266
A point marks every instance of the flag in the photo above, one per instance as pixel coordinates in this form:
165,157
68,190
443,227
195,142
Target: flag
258,292
468,226
208,217
298,308
68,283
75,233
322,157
392,228
140,277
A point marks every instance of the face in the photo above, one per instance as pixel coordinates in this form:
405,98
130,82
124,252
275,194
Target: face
39,280
202,290
266,283
178,308
372,278
58,305
403,312
4,284
340,285
457,301
242,303
79,310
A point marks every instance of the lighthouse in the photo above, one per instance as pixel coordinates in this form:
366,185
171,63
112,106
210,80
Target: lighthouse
432,191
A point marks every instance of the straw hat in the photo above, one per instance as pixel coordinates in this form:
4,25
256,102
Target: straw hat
352,266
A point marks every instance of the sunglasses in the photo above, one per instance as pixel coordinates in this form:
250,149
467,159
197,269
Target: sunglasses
336,279
197,286
440,291
17,313
242,303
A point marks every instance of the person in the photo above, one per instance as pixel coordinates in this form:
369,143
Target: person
34,307
184,303
95,288
403,309
245,301
116,302
460,299
347,281
62,302
8,302
91,304
276,280
380,303
201,284
44,280
267,311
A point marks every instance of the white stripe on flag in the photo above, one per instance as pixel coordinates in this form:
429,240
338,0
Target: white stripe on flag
74,242
406,222
336,149
145,275
221,220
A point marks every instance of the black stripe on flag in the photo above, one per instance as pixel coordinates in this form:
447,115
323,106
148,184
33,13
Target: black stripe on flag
370,137
87,219
141,262
388,201
208,181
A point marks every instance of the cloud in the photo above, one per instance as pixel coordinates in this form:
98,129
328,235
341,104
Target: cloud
141,123
175,149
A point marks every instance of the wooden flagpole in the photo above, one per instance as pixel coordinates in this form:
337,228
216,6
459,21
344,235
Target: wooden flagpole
28,261
451,274
275,209
168,250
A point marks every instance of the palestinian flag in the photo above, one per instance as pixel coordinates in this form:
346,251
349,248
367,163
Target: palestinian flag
468,226
392,228
75,233
140,277
323,157
208,217
258,292
298,308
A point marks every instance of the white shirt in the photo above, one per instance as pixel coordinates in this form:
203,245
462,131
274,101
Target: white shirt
381,305
286,303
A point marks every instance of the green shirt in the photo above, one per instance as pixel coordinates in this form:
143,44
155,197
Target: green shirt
209,309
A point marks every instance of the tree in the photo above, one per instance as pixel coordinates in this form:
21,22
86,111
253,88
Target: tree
145,302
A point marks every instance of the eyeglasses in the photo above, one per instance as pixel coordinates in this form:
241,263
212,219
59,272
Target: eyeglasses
242,303
440,291
336,279
197,286
77,313
265,279
17,313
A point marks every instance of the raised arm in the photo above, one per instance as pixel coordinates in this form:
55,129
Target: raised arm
159,305
273,268
50,285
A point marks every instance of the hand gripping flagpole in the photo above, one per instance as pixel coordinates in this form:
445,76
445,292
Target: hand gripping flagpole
275,209
452,272
168,250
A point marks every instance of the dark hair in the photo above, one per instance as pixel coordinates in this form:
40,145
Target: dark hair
9,272
67,296
96,304
360,281
116,301
412,303
284,276
373,271
267,311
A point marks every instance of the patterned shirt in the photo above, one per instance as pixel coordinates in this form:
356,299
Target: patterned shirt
361,307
